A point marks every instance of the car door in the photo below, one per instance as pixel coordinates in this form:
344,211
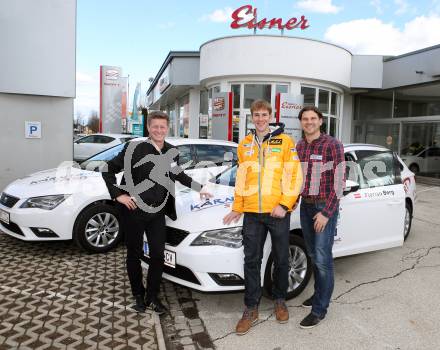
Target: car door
372,217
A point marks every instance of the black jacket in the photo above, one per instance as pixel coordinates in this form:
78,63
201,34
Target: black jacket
149,176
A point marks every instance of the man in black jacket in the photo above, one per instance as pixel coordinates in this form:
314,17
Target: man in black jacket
145,196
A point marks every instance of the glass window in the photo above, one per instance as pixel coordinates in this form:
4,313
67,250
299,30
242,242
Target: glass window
323,101
417,101
235,89
235,126
334,103
281,89
98,161
172,115
254,92
309,95
87,139
103,139
184,117
333,126
210,153
186,159
125,139
386,135
203,114
378,168
374,107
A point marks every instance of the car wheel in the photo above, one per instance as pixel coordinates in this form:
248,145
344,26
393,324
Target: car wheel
300,268
414,168
408,221
97,228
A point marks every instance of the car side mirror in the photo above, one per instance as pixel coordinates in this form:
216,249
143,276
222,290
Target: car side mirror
350,186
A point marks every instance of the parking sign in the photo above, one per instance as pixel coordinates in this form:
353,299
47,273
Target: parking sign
32,130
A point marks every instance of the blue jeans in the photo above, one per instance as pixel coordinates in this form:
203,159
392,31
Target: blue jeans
255,227
319,247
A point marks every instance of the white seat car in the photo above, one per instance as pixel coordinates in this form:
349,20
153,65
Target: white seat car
421,159
87,146
71,202
375,213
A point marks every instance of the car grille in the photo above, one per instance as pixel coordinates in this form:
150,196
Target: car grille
179,271
8,200
13,227
175,236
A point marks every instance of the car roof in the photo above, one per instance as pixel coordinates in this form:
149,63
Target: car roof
112,135
178,141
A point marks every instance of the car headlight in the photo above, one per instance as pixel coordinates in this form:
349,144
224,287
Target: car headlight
44,202
226,237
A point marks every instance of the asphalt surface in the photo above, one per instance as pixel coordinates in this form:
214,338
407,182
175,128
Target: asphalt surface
382,300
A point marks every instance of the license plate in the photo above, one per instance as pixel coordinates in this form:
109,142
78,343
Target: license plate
4,216
169,256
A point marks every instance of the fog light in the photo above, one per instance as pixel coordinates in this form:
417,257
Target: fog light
43,232
227,279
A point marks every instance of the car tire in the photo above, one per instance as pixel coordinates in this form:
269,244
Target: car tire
414,168
300,268
97,228
408,221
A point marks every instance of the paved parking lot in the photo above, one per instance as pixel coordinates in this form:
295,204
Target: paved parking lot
53,296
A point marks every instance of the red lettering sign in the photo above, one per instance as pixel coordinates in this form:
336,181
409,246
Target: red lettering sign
289,105
246,16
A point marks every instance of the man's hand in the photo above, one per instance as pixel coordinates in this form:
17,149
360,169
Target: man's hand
233,216
278,212
320,222
205,194
128,201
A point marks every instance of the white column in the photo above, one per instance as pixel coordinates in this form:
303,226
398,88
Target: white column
194,108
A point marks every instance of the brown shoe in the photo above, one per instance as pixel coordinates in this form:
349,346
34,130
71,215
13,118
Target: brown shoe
249,318
281,311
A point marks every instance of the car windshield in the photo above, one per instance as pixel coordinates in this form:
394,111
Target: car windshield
227,177
101,158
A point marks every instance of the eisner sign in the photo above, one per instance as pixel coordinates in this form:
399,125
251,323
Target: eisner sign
246,16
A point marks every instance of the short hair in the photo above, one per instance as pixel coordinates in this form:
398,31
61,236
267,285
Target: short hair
310,108
157,115
261,104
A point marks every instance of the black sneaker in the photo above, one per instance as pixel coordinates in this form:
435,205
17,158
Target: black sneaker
310,321
308,303
139,305
156,306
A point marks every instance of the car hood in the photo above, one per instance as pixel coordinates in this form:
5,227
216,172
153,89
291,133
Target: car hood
195,215
61,180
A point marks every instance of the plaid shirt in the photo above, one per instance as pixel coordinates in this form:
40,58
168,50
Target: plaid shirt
323,165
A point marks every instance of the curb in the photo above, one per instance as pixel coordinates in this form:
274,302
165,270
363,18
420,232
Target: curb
159,333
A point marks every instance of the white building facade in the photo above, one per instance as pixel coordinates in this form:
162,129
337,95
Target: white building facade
391,101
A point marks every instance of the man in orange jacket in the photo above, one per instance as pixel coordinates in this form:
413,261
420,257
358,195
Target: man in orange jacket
268,183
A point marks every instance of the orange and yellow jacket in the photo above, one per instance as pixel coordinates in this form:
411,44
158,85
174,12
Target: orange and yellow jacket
269,173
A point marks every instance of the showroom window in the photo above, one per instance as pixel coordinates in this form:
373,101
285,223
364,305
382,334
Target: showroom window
205,112
184,117
327,102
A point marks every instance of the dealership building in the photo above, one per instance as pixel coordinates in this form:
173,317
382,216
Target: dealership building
387,100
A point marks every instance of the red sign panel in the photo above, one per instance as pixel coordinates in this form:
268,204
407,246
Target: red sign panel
246,16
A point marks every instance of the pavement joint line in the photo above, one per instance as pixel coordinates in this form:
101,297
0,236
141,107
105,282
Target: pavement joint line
412,267
159,332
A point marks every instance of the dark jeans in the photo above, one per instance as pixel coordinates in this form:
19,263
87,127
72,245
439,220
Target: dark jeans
255,227
135,224
319,247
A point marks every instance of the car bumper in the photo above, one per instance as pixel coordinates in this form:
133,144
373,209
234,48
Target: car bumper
24,223
197,267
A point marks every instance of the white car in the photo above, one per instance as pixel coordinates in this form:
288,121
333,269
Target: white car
375,213
87,146
425,160
70,202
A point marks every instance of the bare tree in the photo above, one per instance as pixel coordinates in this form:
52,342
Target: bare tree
93,122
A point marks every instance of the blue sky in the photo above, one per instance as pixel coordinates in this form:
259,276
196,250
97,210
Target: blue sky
138,34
